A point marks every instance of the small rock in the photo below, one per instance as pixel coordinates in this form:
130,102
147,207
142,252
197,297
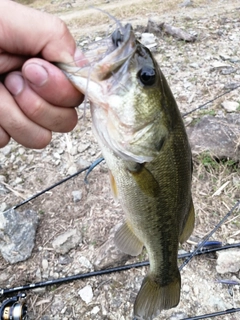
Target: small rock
83,163
2,178
194,65
219,65
148,39
83,43
74,151
77,195
44,264
185,288
83,147
178,316
72,169
86,294
21,151
6,150
98,38
186,3
57,305
85,263
40,291
231,85
18,180
230,106
188,120
4,276
67,241
228,261
45,318
95,310
64,260
38,275
56,155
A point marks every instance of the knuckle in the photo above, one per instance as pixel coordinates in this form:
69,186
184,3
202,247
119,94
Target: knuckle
36,110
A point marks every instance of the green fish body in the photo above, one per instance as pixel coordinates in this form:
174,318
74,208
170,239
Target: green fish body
143,140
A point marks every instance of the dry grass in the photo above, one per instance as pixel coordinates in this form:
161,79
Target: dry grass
124,10
216,186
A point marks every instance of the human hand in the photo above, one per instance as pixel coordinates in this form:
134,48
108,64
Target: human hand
38,99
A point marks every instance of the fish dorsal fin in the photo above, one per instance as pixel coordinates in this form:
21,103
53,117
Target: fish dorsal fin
113,186
127,241
189,225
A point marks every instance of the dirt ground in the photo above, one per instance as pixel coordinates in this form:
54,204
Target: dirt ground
193,72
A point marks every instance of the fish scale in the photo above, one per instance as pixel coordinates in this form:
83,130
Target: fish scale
143,140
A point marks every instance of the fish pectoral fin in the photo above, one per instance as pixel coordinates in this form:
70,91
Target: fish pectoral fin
189,225
145,180
127,241
152,297
113,186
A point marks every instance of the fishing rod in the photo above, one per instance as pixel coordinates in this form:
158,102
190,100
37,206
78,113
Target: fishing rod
15,308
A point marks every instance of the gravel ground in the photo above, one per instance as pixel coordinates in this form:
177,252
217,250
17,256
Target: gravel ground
197,72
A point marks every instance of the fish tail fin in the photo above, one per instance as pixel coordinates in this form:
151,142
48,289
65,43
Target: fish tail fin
153,297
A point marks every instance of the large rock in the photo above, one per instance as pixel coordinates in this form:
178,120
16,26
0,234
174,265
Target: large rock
218,135
17,234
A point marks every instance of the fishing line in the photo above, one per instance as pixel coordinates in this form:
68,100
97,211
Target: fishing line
51,187
118,22
206,103
214,314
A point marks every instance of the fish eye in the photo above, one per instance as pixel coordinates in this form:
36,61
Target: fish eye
117,37
147,76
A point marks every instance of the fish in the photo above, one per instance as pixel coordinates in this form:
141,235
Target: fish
141,134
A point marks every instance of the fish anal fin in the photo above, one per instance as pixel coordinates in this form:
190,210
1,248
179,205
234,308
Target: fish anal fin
189,225
113,185
153,298
127,241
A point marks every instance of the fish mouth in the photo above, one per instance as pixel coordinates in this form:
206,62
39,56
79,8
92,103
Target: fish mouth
103,59
111,53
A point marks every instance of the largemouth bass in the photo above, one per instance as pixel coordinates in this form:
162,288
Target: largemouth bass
143,140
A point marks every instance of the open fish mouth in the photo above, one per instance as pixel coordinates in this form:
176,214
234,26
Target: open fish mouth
104,57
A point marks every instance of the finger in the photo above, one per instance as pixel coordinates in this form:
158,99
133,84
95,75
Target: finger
4,138
10,62
18,126
50,83
58,119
